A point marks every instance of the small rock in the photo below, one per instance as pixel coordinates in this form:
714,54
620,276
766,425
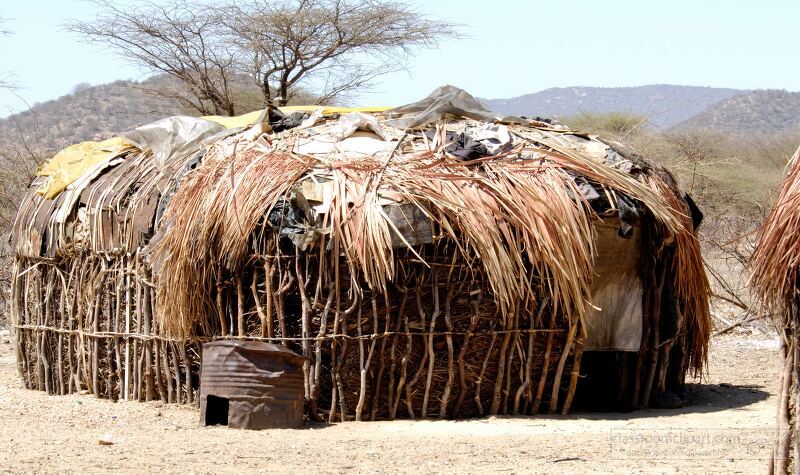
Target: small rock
668,400
106,440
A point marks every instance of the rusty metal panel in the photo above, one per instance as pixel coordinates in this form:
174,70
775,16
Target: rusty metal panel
26,237
251,385
141,219
412,223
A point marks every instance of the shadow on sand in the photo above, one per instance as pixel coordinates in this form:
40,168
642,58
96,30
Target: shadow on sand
699,398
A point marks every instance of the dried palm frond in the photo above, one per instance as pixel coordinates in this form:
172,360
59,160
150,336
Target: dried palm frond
688,273
612,178
211,219
776,260
524,221
520,219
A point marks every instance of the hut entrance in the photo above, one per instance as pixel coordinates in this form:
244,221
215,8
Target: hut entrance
217,410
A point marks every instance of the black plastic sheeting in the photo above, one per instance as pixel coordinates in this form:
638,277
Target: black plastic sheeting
461,145
287,218
630,210
697,215
279,121
293,219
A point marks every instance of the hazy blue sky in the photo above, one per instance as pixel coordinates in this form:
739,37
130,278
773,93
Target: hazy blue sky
514,47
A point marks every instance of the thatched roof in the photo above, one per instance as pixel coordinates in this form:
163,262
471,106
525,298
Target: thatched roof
776,260
518,196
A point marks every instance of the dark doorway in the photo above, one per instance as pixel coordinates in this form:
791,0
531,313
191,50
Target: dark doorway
217,410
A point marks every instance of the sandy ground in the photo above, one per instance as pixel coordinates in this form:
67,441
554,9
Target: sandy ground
728,427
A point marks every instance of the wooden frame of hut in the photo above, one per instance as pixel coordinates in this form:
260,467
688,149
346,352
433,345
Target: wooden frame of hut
775,267
432,260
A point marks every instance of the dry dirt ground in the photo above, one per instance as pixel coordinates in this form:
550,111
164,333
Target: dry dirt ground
728,427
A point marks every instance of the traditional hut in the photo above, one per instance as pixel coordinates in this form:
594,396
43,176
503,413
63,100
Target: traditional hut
432,260
775,267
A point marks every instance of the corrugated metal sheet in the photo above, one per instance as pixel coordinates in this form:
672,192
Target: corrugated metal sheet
251,385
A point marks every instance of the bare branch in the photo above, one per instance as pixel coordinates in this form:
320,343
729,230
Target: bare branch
180,39
329,47
6,78
3,31
20,156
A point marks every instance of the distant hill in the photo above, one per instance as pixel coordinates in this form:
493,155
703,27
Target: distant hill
756,111
88,113
98,112
669,104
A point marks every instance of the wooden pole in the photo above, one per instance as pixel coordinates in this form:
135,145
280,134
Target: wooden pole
413,381
239,306
127,271
501,362
783,446
553,407
60,342
479,381
177,373
450,353
573,380
157,359
269,275
305,324
223,321
401,383
527,372
148,354
376,398
262,316
187,368
392,405
337,314
137,342
462,391
96,312
430,351
323,327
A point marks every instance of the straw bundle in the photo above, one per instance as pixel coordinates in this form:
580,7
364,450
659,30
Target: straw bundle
774,280
776,260
211,219
688,273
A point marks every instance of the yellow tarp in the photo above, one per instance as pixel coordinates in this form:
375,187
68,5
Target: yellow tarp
246,120
74,161
71,163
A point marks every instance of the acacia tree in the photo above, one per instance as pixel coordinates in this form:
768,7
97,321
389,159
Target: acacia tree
325,48
5,82
183,40
331,47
